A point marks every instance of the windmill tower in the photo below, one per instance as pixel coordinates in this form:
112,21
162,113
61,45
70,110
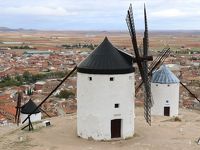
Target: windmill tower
27,109
105,98
105,85
105,89
165,92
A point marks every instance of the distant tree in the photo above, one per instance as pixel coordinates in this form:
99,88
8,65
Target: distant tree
28,78
7,78
91,46
19,78
27,75
65,94
8,81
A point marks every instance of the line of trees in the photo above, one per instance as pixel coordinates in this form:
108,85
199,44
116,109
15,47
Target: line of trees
28,78
79,45
21,47
65,94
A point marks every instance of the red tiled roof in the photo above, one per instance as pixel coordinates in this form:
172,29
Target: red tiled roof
5,97
8,108
1,117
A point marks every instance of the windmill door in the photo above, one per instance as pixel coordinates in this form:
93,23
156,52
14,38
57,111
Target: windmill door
116,128
166,111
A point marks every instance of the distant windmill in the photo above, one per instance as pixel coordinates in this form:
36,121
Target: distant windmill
155,65
27,109
23,111
165,92
157,62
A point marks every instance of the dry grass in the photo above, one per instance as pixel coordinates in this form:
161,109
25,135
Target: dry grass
52,40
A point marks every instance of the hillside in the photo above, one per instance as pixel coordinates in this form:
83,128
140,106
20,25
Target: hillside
164,134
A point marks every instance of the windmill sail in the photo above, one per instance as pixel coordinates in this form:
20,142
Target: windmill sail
158,61
131,27
147,88
192,94
28,117
141,61
146,37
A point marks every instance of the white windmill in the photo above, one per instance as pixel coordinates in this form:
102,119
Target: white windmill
105,89
165,92
105,98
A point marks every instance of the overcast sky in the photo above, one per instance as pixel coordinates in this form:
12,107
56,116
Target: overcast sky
98,14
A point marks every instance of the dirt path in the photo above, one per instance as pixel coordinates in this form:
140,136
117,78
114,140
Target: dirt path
164,134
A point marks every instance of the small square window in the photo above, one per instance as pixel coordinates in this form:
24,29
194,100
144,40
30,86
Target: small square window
116,105
167,101
111,78
90,78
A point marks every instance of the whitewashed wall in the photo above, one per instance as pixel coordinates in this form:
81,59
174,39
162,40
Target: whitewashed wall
34,117
95,105
163,93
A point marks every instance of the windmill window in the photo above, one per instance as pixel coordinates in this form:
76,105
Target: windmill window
111,78
167,101
156,84
90,78
117,105
168,85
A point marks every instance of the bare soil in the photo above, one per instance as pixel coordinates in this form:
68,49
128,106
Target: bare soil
164,134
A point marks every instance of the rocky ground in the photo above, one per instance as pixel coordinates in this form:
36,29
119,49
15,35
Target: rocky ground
164,134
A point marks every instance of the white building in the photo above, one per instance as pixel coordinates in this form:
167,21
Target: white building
27,109
165,92
105,94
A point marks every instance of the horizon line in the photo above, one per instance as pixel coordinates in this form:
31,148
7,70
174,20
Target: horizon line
95,30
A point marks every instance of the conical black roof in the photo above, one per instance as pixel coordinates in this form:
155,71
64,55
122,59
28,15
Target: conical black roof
106,59
29,107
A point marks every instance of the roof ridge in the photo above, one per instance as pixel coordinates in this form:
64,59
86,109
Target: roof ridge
29,107
106,59
164,76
